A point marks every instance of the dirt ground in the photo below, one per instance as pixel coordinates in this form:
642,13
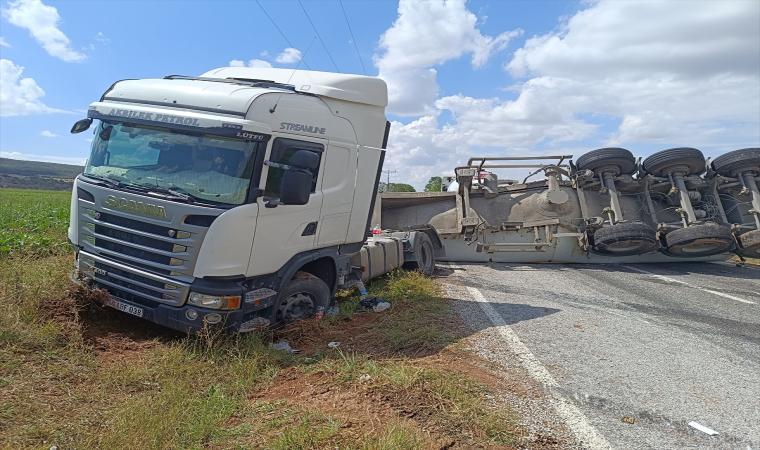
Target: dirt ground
362,409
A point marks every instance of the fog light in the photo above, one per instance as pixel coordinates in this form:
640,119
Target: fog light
213,318
191,314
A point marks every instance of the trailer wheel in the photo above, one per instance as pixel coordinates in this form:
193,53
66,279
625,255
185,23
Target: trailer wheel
619,157
625,239
685,159
700,240
750,244
729,164
424,255
300,300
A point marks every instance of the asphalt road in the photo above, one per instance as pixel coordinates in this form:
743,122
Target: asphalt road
665,344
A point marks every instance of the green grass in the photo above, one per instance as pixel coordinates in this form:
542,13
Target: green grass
148,391
33,223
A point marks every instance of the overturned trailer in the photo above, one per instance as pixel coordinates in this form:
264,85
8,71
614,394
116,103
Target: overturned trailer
607,206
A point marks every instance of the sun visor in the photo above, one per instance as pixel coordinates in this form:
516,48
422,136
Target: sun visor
180,120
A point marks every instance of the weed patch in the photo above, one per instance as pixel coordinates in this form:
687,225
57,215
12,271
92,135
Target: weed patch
79,375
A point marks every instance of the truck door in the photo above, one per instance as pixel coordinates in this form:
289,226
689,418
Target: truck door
337,193
285,230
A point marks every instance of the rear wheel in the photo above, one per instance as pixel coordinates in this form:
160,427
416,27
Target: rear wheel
731,163
690,161
300,299
619,158
700,240
625,239
424,255
750,244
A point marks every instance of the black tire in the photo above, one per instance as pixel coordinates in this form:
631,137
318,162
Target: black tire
619,157
661,163
625,239
730,163
700,240
424,255
750,244
299,300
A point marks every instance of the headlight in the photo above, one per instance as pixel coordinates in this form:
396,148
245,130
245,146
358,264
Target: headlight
214,301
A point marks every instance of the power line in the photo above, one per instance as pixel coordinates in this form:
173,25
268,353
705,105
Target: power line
388,183
353,39
278,29
320,37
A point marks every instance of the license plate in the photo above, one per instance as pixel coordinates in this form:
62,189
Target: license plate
125,307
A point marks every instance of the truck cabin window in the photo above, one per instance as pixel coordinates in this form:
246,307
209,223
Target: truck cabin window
282,150
204,166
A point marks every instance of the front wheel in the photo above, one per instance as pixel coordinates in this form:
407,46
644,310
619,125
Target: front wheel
300,300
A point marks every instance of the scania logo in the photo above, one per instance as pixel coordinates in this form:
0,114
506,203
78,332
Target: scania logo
135,206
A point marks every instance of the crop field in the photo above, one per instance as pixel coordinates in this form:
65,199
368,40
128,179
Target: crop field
34,222
77,375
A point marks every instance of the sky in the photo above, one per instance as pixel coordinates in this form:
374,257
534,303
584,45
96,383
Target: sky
476,78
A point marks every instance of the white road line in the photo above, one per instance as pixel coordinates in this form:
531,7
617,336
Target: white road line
673,280
576,421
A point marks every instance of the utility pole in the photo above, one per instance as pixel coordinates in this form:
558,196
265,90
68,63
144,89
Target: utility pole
388,183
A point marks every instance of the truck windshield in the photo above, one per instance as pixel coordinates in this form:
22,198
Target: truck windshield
208,167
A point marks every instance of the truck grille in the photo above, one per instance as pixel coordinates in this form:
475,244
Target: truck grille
120,280
148,246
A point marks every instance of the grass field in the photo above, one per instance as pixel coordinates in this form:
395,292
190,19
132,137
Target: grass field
79,376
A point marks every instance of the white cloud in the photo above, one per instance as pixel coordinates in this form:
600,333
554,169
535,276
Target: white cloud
49,134
668,73
79,161
42,22
3,42
100,37
264,54
428,34
20,96
252,63
652,72
288,56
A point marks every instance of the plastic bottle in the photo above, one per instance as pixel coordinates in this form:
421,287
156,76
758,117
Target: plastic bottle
320,312
377,231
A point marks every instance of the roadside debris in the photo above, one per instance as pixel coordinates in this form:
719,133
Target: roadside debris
630,420
333,311
703,428
364,378
382,306
284,346
333,344
376,303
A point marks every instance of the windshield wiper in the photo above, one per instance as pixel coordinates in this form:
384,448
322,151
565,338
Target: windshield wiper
110,182
177,194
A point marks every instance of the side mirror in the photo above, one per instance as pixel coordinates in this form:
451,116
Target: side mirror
81,125
296,187
106,133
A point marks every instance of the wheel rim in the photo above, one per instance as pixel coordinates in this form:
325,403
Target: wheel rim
703,246
628,246
298,306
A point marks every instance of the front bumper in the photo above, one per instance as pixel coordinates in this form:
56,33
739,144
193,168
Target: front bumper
140,289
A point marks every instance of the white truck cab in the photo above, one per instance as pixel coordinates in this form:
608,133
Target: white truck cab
238,197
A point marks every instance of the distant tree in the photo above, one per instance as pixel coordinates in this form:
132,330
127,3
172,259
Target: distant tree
434,184
395,187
